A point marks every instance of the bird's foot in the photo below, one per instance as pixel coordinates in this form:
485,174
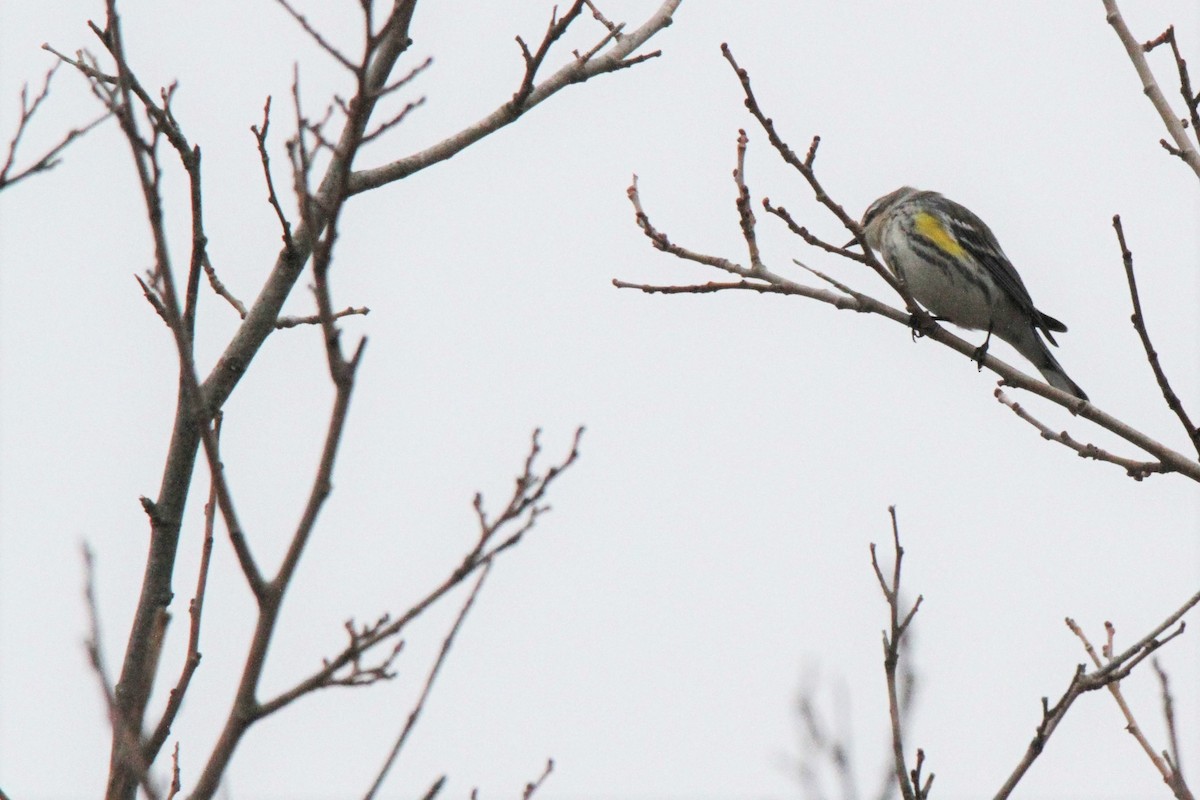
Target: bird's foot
981,351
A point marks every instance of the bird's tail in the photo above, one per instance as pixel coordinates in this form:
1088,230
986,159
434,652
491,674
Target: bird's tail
1034,349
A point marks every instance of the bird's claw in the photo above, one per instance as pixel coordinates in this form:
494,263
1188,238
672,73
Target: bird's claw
981,352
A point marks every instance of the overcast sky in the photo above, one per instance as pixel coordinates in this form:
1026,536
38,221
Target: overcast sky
708,555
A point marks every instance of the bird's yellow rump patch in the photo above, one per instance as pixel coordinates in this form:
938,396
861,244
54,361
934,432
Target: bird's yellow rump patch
932,229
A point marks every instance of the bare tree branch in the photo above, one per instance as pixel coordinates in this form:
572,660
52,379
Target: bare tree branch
1135,730
577,71
1137,55
191,660
428,687
1139,324
520,514
1082,681
50,158
126,737
1134,469
1174,763
758,277
532,788
147,120
260,137
911,786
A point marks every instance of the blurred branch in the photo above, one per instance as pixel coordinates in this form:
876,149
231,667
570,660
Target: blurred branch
127,739
1184,147
532,788
910,783
50,158
822,750
1171,757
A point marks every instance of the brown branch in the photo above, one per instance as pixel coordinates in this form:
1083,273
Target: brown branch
221,290
407,78
1137,55
1117,667
805,168
745,212
522,511
246,709
260,137
1176,782
808,237
50,158
910,784
613,28
191,659
428,687
1190,98
1134,469
616,58
1139,325
702,288
316,36
531,788
533,61
393,121
315,319
126,736
176,784
1114,688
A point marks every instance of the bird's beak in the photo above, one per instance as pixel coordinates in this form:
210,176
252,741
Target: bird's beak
849,244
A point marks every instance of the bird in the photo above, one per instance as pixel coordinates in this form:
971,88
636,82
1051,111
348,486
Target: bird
952,264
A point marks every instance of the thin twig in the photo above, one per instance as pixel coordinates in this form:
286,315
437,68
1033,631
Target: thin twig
1134,469
533,61
910,785
1177,783
805,168
49,159
1116,668
126,738
1186,148
316,36
191,660
413,715
531,788
808,237
745,212
260,137
315,319
221,290
1139,325
521,512
1114,688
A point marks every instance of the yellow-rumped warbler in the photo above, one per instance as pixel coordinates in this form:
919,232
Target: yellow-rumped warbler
952,264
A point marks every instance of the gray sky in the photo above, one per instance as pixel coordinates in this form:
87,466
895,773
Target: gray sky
708,555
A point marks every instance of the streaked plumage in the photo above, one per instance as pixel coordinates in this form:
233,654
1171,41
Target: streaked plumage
953,266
